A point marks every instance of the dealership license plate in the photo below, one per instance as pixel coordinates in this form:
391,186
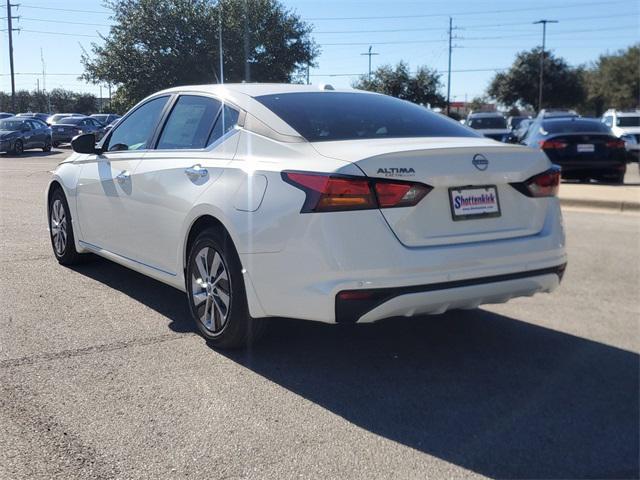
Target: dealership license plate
61,129
586,148
474,202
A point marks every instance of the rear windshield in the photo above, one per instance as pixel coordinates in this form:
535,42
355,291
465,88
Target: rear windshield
487,122
71,120
628,121
574,126
329,116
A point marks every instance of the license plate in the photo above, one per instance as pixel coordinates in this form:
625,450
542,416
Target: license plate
61,130
468,203
585,148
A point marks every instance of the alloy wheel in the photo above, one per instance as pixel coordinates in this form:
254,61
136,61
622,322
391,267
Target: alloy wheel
59,227
211,290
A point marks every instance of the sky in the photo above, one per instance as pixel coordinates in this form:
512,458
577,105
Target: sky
488,34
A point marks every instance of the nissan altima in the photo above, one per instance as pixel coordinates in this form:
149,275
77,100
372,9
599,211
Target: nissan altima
338,206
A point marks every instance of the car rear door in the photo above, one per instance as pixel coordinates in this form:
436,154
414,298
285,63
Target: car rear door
196,143
105,185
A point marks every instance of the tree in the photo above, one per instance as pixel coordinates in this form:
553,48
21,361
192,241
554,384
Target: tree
57,100
563,85
613,81
155,44
422,88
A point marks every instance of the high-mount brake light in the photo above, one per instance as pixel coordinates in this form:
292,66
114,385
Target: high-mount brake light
332,193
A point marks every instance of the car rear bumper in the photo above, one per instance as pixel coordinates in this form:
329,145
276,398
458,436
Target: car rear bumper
360,252
373,305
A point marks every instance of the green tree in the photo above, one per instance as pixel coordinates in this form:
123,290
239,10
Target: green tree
613,81
423,87
155,44
563,85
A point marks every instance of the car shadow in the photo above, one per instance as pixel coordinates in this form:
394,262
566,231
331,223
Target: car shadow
490,393
29,154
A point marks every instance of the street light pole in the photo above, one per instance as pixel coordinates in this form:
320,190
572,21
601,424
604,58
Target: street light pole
544,39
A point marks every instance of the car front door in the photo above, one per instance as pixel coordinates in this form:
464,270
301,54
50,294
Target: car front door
105,185
196,143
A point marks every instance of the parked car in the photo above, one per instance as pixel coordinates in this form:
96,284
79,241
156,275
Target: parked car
360,206
69,127
490,124
6,115
39,116
18,134
585,148
53,119
556,113
105,118
626,126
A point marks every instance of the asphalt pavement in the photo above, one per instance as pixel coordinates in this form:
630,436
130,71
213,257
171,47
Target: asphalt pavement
103,376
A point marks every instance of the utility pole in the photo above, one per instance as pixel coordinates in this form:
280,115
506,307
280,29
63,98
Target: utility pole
370,54
220,41
449,69
109,85
308,67
10,29
544,39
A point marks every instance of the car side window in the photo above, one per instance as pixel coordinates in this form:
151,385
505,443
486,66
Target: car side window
227,119
27,125
134,133
189,123
608,121
33,125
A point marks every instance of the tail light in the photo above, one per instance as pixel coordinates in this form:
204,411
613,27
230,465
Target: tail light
552,144
332,193
545,184
615,144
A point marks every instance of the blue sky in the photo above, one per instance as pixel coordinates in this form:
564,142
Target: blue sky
489,32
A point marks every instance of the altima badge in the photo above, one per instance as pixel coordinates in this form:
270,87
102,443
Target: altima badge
480,162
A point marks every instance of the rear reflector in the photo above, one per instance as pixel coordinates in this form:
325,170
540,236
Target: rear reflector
331,192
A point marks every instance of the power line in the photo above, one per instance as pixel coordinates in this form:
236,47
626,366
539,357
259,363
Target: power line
60,33
480,12
38,7
467,27
30,19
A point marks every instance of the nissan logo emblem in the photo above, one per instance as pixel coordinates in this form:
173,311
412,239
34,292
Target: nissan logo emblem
480,162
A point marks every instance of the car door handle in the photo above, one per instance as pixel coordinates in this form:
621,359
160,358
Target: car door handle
196,172
123,176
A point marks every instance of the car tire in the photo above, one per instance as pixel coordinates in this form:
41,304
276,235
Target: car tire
218,302
18,148
47,146
56,144
61,229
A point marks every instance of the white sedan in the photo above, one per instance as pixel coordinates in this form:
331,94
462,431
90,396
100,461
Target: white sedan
308,202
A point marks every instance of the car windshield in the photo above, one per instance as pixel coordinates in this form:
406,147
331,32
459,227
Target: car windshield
487,122
574,125
329,116
100,118
11,124
628,121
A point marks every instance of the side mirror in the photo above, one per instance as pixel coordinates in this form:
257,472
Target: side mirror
85,143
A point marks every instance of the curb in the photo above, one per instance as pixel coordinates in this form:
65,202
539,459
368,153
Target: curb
619,206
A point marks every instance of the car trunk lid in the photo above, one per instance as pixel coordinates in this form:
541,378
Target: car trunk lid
452,166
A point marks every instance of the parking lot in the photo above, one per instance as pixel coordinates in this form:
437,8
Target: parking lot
103,376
